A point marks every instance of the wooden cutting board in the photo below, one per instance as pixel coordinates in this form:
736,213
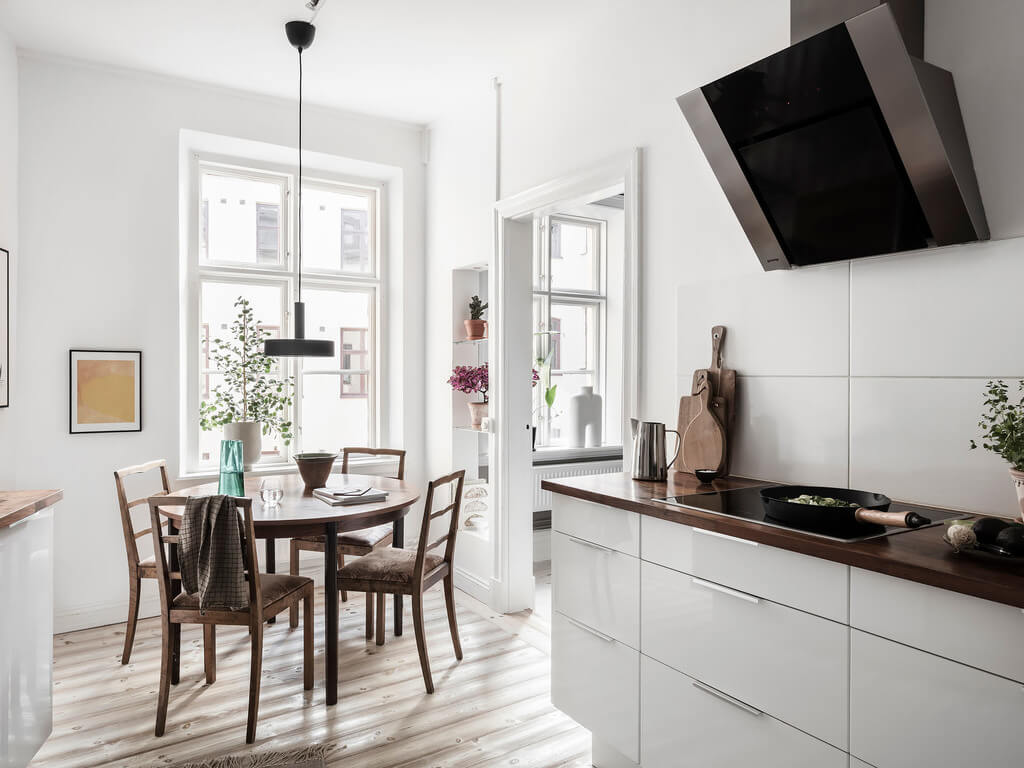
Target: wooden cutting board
723,380
703,445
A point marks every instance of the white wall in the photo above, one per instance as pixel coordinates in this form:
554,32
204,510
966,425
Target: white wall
868,373
99,233
9,225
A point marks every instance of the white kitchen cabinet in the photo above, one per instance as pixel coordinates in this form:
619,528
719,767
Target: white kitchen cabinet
596,681
910,709
983,634
786,662
613,528
687,724
597,586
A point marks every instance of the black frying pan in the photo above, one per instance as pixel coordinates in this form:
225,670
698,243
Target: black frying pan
872,508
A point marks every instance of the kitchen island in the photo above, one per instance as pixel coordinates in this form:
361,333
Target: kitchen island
26,623
743,644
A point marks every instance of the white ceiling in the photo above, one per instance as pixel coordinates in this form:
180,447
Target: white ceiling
407,59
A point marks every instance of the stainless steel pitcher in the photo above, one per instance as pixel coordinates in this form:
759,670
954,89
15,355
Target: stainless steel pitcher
649,450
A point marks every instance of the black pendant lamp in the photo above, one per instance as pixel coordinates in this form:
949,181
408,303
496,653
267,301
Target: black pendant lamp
300,35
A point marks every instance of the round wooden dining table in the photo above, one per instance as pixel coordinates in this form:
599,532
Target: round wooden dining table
301,514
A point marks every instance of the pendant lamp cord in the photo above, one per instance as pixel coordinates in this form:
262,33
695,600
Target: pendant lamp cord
300,175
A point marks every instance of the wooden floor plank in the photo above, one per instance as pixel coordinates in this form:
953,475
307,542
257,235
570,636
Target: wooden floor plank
492,708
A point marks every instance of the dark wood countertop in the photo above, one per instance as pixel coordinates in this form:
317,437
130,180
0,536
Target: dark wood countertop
17,505
920,556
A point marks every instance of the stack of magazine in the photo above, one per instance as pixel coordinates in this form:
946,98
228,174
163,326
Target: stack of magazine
350,494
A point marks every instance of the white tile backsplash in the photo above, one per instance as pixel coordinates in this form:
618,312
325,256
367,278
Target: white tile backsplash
939,312
792,429
793,323
910,440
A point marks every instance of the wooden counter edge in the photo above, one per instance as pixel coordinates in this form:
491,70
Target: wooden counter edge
15,506
918,556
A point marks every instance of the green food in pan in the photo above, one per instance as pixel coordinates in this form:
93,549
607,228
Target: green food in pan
819,501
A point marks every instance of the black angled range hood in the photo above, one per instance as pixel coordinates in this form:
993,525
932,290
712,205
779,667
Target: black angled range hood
845,144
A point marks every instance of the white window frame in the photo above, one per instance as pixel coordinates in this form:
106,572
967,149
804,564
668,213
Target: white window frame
284,274
543,289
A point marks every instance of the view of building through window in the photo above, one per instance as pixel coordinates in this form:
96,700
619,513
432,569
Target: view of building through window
244,250
568,307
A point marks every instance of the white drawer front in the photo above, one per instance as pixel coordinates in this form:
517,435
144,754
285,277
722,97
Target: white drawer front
688,725
614,528
596,681
597,586
910,709
785,662
808,583
978,632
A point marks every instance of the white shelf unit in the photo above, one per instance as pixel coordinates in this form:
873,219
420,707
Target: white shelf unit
471,446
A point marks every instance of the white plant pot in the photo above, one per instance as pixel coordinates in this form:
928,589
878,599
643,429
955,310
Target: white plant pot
250,433
1018,483
585,411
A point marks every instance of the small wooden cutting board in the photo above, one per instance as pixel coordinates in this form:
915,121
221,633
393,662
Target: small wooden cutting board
704,439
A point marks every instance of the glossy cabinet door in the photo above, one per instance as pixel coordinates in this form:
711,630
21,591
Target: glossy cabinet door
687,724
597,586
785,662
596,681
910,709
970,630
26,637
616,529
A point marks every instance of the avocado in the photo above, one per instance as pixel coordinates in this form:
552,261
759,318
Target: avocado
987,528
1011,538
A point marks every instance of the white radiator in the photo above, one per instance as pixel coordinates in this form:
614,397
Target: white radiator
542,498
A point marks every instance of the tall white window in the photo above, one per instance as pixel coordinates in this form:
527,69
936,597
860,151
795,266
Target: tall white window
569,315
243,245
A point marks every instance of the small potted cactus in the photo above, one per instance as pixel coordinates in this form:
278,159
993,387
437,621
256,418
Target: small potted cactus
476,326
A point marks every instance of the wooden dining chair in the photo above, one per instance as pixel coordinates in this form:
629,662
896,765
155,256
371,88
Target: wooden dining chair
138,569
408,572
269,595
354,543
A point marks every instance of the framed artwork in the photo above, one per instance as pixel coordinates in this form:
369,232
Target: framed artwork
5,328
106,391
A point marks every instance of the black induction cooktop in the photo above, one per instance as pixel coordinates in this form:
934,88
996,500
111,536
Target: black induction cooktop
746,503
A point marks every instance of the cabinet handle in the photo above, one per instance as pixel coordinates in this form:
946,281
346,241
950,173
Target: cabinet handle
724,590
590,544
717,535
727,698
594,632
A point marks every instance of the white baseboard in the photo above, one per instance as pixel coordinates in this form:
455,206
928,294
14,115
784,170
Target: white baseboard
473,585
101,614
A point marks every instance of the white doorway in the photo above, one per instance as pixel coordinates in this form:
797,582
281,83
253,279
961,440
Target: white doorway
523,221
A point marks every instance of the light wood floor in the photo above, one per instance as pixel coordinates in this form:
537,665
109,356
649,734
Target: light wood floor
491,709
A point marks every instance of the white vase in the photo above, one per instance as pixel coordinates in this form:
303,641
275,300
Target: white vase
1018,483
250,434
585,413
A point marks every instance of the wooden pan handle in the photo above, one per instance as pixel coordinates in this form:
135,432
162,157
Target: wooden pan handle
895,519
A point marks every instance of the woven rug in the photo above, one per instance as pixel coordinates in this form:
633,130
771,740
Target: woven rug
308,757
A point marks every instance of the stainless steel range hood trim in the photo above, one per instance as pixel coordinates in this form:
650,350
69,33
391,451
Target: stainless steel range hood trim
734,182
913,95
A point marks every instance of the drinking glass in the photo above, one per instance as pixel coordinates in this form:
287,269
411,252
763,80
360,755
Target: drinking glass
271,491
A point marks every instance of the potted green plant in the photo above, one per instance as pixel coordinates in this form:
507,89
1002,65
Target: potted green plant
1002,430
476,326
251,401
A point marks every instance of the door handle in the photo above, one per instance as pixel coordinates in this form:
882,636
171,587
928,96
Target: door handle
724,590
716,534
590,544
590,630
727,698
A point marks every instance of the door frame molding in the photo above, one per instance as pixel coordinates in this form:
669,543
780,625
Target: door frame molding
512,585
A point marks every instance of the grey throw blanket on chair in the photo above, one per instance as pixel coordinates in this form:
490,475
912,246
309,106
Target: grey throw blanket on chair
210,553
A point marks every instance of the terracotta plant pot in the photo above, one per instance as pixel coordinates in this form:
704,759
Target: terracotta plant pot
1018,482
250,433
477,412
315,468
475,329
